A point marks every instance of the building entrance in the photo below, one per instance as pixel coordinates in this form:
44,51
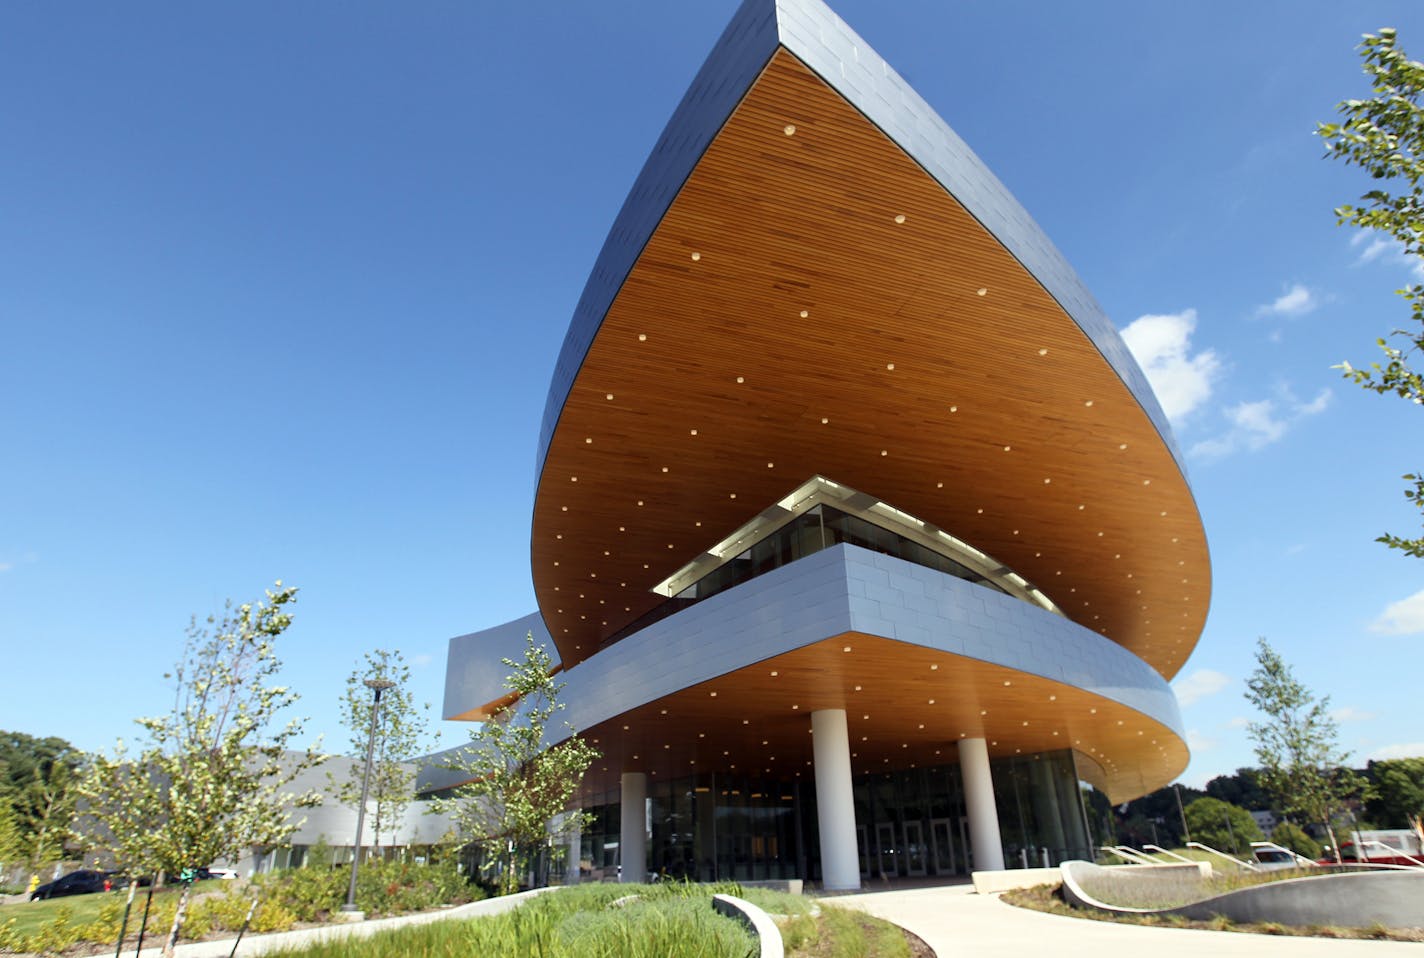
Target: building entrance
942,847
916,854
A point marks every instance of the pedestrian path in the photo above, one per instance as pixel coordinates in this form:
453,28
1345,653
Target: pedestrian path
955,921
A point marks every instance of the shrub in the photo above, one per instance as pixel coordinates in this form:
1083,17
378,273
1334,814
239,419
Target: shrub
1294,837
1222,825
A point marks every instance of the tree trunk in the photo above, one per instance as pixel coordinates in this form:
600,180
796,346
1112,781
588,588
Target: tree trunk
178,917
376,831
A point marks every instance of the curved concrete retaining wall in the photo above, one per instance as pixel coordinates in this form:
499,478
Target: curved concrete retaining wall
1394,899
760,923
1355,900
1145,877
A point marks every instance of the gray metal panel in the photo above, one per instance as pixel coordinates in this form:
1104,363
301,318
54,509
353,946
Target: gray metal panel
844,589
474,672
811,31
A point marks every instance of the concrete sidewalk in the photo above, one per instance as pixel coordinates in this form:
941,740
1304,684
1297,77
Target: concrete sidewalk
953,920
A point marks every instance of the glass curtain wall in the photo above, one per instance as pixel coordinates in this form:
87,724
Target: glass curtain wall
909,823
820,527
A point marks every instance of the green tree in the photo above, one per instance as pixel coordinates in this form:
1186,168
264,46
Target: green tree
1384,136
1155,817
37,777
517,782
209,780
1289,835
1302,766
1243,788
1398,791
1221,825
400,735
12,846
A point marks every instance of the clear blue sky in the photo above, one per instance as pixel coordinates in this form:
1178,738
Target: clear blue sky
282,285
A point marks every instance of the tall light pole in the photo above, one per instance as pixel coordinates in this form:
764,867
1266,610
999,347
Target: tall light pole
378,686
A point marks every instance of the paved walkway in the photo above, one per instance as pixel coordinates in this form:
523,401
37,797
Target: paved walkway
954,921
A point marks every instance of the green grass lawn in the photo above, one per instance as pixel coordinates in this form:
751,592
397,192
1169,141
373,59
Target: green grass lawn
30,915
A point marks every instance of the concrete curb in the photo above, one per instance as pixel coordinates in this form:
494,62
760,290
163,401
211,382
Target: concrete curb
758,921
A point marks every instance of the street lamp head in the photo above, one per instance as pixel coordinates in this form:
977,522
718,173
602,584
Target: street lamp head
380,685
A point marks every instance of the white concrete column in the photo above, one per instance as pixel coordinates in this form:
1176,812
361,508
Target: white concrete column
979,802
835,800
633,828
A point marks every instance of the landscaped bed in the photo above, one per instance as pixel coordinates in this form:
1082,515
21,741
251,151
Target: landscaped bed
84,924
811,929
587,920
597,921
638,921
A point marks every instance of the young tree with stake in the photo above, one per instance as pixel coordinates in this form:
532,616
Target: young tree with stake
210,780
517,782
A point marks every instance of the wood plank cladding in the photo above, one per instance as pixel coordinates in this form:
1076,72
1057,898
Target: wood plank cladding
815,303
906,706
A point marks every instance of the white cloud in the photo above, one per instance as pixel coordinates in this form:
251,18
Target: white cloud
1255,425
421,660
1347,713
26,559
1405,617
1403,750
1162,346
1375,247
1198,742
1239,721
1380,248
1199,685
1295,301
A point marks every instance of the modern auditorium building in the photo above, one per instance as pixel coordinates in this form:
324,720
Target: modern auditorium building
859,534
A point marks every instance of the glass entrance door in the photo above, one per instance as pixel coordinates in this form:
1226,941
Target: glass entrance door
885,837
916,859
942,847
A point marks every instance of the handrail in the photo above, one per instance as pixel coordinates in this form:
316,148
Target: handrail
1134,853
1207,848
1126,853
1393,852
1163,851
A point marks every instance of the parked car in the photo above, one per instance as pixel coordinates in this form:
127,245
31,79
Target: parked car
83,882
227,874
